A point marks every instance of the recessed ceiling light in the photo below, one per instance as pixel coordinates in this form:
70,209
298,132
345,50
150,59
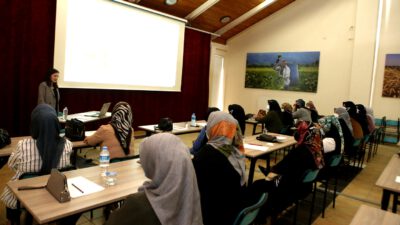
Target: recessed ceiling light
170,2
225,19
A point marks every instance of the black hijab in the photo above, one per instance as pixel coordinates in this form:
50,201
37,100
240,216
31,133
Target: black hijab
238,113
45,129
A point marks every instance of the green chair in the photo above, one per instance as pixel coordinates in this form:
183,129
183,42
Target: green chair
310,176
330,170
248,214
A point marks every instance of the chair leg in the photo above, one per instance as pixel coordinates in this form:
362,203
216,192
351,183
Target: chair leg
312,202
334,191
325,182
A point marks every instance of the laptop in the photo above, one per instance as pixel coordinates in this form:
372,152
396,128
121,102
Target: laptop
102,111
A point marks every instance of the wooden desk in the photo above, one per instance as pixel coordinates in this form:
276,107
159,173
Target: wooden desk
387,182
178,128
367,215
255,124
45,208
84,117
7,150
253,155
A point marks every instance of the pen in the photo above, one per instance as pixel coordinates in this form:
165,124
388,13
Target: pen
77,188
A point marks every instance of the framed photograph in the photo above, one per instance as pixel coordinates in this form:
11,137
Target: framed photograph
391,78
290,71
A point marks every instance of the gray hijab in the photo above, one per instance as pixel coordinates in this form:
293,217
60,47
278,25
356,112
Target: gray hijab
172,190
343,114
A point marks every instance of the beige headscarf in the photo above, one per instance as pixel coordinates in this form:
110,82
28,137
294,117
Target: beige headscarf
172,190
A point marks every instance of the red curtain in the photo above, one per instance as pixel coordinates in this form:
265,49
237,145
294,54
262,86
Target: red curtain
27,49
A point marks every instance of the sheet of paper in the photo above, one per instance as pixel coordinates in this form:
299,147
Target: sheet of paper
256,147
397,179
80,186
202,124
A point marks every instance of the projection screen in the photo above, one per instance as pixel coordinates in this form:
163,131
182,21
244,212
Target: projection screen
103,44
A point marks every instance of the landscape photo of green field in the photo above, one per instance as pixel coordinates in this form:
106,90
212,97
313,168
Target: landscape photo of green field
266,71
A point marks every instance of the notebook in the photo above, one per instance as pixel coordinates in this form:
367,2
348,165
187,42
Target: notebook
102,111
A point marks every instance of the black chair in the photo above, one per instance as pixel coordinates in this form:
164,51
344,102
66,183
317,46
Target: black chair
120,159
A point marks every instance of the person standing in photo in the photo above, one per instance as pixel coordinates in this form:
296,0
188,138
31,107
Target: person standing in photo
48,90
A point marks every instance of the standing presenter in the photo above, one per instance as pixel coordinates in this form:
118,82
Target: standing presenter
48,90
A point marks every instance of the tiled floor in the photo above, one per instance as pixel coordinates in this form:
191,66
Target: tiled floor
361,190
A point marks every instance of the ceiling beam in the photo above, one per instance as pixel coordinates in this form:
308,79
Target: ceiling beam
195,13
245,16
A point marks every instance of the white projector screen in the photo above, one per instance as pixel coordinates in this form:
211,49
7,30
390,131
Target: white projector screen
101,44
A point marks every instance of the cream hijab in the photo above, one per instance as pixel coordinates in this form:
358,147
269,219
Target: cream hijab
172,190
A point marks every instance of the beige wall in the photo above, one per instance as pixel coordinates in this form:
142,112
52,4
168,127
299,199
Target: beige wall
343,31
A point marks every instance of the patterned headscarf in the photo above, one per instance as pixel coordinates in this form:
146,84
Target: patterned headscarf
224,135
172,190
310,136
45,129
328,121
344,115
121,121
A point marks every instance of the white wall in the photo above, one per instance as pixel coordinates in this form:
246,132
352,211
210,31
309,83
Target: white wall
343,32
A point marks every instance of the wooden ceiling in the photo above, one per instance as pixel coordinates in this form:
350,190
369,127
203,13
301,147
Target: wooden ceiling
206,15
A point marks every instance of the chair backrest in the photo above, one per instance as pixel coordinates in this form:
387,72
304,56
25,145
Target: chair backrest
310,175
248,214
120,159
335,160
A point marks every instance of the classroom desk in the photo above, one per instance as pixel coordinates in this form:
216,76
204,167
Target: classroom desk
387,182
7,150
178,128
253,155
367,215
255,123
45,208
83,116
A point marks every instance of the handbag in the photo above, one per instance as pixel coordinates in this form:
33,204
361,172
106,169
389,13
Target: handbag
4,138
165,124
75,130
260,114
58,187
267,138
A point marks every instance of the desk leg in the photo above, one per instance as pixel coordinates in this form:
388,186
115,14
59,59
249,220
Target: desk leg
254,128
251,171
385,199
395,202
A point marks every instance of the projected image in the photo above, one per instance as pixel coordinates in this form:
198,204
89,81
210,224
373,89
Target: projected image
391,79
290,71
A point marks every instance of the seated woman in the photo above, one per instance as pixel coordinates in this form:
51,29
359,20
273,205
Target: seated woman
116,135
171,196
354,119
238,113
287,118
284,190
273,119
41,153
220,170
301,113
347,130
202,138
313,110
331,128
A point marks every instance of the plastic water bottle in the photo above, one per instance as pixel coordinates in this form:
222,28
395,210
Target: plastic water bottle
65,113
104,160
193,120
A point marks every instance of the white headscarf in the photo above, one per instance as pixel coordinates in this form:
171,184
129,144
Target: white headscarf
172,190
